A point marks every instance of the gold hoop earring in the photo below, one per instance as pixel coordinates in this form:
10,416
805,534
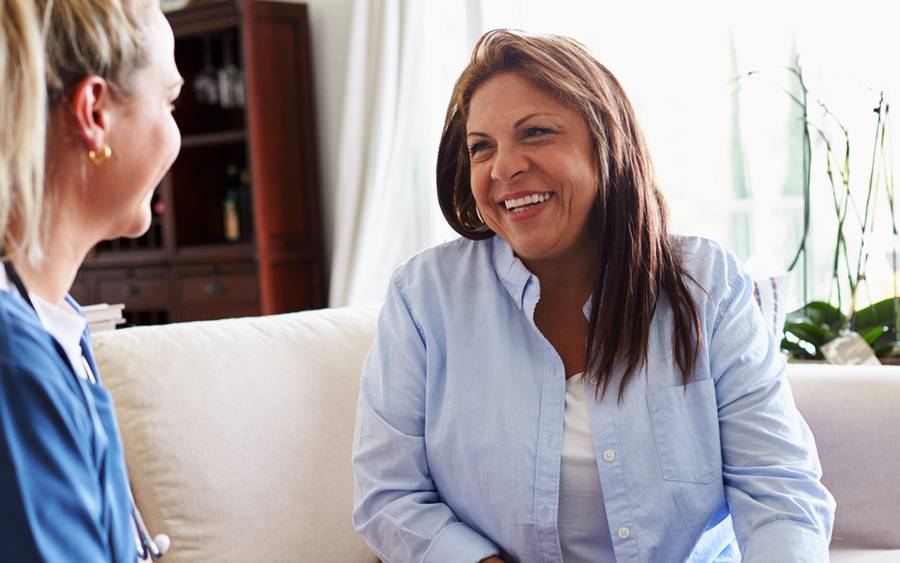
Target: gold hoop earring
103,156
483,228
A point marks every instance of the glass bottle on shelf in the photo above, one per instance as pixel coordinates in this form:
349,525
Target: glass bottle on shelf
231,80
230,217
206,88
245,208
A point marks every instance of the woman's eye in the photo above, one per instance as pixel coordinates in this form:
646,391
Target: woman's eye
475,147
536,131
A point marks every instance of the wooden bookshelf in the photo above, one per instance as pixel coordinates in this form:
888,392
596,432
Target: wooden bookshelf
236,226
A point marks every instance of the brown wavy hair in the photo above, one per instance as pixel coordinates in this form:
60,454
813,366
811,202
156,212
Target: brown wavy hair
637,262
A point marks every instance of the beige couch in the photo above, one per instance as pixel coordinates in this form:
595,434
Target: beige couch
238,437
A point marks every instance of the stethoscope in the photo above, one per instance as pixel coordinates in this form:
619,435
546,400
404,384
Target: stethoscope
153,546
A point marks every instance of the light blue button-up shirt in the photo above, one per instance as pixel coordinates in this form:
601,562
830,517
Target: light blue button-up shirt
460,424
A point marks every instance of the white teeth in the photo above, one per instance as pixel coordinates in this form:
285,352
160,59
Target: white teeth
531,199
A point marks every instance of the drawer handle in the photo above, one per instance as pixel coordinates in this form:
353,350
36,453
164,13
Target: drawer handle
131,290
214,288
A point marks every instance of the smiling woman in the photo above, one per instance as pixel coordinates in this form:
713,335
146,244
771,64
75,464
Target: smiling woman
570,381
566,127
99,89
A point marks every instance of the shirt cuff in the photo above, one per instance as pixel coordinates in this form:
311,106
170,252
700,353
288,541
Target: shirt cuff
786,540
458,543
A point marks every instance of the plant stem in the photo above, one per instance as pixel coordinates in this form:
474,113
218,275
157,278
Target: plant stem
862,256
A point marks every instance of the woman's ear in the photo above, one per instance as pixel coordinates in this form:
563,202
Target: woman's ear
89,107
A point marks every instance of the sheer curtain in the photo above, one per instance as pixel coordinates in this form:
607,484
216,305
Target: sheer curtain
375,212
727,148
404,56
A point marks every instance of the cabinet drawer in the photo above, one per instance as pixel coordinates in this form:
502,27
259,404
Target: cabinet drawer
210,312
219,289
136,293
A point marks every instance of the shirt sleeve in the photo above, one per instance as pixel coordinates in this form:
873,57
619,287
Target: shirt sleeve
52,502
397,508
781,510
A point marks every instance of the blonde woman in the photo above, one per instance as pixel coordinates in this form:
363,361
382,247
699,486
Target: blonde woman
87,135
569,381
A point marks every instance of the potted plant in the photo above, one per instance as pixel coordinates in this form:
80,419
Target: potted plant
818,322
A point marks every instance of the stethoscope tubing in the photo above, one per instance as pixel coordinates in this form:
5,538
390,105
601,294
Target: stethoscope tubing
148,545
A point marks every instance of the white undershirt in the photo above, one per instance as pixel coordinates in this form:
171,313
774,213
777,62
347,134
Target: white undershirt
583,528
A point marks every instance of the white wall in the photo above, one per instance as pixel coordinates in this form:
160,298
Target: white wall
329,22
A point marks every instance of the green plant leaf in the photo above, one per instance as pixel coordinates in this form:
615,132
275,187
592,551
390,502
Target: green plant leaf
821,313
871,336
884,342
796,351
813,333
877,314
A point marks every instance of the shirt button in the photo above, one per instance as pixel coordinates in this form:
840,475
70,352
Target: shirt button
609,455
624,533
545,514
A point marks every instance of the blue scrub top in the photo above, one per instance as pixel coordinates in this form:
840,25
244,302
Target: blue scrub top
64,492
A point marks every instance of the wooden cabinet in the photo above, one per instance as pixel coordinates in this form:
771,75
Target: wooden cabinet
236,226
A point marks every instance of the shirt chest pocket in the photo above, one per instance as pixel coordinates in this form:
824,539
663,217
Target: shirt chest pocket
686,431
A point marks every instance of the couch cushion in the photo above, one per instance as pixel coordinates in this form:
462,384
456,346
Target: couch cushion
865,555
854,413
238,433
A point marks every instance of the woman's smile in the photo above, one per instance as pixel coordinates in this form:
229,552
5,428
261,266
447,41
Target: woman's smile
524,207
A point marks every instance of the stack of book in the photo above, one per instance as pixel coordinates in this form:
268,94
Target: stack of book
103,317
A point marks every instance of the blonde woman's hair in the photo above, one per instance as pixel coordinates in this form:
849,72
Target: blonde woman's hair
46,47
93,37
23,120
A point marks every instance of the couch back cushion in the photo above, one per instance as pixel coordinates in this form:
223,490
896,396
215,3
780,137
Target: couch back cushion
854,413
238,433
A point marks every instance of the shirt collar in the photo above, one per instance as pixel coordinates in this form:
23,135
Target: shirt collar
511,271
521,284
63,323
4,283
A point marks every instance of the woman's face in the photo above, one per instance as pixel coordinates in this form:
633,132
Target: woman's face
532,169
144,139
